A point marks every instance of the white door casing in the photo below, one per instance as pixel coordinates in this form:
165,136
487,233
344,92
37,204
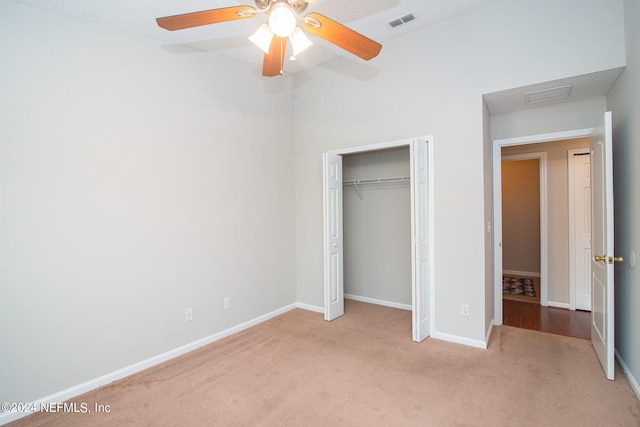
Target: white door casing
602,262
579,175
333,237
420,239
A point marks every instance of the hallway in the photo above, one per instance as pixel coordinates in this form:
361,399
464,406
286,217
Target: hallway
546,319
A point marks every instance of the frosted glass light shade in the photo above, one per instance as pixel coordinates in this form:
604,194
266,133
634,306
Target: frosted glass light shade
281,20
262,38
299,41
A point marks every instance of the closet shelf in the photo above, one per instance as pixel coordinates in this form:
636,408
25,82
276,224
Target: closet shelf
376,180
356,182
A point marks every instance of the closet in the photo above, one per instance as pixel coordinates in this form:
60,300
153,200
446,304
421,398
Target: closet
377,227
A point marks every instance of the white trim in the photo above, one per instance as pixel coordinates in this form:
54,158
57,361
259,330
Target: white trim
545,137
520,273
375,147
71,392
544,232
572,235
432,237
379,302
459,340
310,307
558,304
627,372
497,202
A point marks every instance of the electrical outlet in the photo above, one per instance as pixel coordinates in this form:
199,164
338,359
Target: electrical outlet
227,303
464,310
188,314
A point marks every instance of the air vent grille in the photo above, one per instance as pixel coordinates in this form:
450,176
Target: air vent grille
407,18
402,20
547,95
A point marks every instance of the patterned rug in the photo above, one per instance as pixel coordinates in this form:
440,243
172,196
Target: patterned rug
518,286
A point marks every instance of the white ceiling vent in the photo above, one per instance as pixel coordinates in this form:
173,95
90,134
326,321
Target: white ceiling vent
402,20
547,95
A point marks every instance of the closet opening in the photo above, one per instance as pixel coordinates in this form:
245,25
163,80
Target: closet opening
378,229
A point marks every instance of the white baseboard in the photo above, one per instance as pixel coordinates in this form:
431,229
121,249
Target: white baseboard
379,302
558,304
61,396
460,340
310,307
520,273
627,372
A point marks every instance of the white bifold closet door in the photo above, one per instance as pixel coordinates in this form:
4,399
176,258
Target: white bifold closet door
333,237
420,238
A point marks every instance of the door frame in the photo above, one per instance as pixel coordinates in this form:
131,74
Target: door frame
497,210
414,218
572,216
542,185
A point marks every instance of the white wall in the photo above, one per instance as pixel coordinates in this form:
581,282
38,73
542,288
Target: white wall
430,82
134,183
581,114
377,227
625,106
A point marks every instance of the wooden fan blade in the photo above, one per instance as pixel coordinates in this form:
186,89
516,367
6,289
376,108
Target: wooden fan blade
342,36
274,60
205,17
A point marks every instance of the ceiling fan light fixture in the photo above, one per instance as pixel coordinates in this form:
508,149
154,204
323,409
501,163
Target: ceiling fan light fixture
282,24
299,41
262,38
281,20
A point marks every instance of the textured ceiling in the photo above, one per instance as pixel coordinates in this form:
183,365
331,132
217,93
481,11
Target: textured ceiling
369,17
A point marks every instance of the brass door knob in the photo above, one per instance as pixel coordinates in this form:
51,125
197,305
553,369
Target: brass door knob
608,259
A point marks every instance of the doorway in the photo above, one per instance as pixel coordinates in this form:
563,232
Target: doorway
523,194
422,231
524,226
554,257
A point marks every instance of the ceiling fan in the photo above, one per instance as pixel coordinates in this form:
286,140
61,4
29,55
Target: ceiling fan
282,25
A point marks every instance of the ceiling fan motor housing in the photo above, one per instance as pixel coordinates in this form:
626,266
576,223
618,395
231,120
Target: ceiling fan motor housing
262,4
298,6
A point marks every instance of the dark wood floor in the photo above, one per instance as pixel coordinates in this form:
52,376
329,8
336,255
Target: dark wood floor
559,321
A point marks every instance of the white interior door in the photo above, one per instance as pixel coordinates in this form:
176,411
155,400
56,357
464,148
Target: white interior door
581,214
420,239
602,315
333,238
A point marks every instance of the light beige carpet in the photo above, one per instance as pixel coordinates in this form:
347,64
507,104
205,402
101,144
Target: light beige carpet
363,370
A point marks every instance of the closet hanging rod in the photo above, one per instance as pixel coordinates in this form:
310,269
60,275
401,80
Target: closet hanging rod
376,180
